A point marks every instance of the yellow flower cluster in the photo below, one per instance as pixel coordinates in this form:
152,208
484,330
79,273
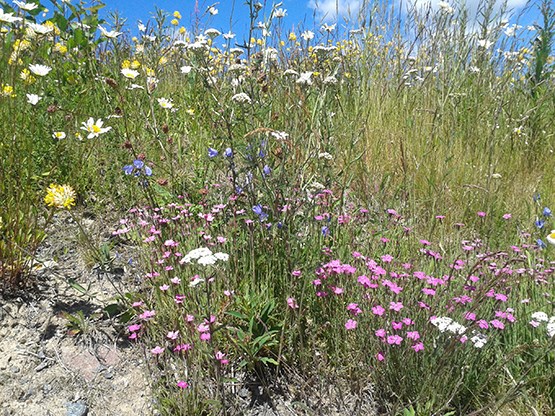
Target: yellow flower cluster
60,196
6,91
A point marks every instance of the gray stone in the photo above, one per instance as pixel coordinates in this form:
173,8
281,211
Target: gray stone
76,409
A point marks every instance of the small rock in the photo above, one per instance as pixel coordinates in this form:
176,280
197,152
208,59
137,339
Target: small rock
14,369
76,409
42,366
108,375
244,393
46,388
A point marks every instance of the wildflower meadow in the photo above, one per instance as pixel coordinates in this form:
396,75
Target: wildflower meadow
358,210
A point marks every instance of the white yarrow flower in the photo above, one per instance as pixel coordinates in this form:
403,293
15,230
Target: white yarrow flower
305,78
540,316
241,98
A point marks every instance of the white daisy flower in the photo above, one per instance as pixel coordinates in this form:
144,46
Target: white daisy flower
40,29
129,73
109,34
8,17
165,103
94,129
59,135
33,99
26,6
40,70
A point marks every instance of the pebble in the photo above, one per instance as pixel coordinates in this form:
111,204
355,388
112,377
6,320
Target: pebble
76,409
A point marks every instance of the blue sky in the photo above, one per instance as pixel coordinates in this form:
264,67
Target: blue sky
301,14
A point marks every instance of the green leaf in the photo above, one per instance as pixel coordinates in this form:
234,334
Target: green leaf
237,315
268,360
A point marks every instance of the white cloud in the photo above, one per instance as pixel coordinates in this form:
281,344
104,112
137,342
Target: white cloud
471,5
332,9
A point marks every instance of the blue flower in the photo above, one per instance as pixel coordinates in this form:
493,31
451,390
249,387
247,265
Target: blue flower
266,170
546,212
212,152
325,231
541,244
148,171
540,223
128,169
257,209
536,197
138,163
228,152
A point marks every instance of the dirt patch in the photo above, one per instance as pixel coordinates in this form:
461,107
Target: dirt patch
45,368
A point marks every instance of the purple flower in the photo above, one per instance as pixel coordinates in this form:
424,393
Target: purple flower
266,170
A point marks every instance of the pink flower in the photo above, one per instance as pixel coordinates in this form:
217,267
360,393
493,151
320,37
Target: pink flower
414,335
350,324
407,321
296,273
163,288
176,280
534,324
481,214
394,340
337,290
147,314
395,306
429,291
380,333
378,310
507,216
496,323
418,347
483,324
380,356
137,304
220,356
157,350
354,309
387,258
182,347
396,325
182,384
292,303
470,316
172,335
134,327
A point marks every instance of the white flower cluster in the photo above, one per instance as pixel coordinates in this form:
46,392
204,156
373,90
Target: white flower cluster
204,257
241,98
539,317
443,323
